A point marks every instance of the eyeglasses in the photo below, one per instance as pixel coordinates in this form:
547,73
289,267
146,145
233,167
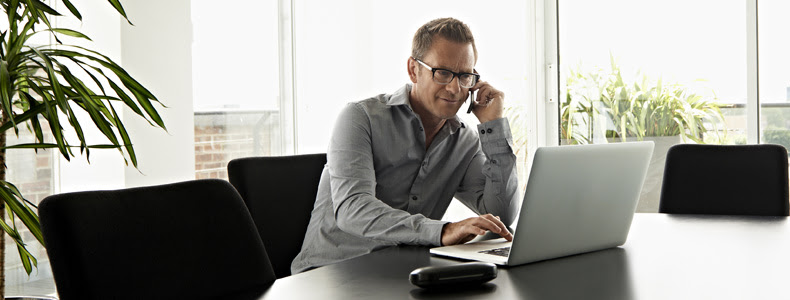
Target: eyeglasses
444,76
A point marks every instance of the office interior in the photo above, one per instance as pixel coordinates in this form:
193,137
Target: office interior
247,78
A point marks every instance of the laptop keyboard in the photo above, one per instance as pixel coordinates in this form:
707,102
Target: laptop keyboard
504,251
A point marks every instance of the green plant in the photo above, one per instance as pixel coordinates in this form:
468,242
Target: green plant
602,103
517,117
44,86
779,136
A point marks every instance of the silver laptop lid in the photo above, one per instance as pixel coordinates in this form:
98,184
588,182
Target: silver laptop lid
579,199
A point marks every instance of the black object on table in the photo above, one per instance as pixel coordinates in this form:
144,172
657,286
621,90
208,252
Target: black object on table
473,273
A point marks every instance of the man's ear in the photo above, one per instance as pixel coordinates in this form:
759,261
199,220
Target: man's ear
411,67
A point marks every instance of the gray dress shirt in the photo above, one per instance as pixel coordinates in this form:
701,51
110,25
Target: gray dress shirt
381,187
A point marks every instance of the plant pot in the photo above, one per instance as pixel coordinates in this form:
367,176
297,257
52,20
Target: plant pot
650,196
651,190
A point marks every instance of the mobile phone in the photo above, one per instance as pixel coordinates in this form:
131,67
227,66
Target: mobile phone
471,101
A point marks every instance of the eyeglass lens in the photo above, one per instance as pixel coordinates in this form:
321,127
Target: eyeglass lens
445,77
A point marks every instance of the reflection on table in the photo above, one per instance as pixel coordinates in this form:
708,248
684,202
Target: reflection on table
665,257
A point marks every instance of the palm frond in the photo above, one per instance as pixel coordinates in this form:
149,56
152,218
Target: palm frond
53,85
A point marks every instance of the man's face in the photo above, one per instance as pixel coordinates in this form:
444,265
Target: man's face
437,100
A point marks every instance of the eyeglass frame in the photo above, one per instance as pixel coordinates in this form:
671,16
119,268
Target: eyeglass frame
455,75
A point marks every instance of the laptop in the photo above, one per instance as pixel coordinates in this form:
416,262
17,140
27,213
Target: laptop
578,199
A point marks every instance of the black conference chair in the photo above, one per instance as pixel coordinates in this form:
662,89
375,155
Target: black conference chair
280,193
725,180
187,240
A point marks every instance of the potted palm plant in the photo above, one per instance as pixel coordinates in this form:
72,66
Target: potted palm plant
43,88
601,102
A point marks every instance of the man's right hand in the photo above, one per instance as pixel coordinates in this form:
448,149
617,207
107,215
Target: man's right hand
464,231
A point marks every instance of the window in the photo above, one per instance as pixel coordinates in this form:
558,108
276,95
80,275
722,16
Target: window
33,172
352,50
235,83
774,72
671,72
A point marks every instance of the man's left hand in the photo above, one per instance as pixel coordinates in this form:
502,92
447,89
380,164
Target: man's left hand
489,102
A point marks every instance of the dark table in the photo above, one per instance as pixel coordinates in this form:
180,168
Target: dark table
665,257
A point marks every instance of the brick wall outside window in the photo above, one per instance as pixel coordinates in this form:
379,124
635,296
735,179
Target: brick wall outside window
223,136
32,173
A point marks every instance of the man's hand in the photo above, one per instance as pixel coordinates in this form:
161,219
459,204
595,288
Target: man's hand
490,102
464,231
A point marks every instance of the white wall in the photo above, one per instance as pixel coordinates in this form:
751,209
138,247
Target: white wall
157,52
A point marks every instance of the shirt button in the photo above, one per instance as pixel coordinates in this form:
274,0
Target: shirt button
424,163
420,128
489,130
413,197
482,131
493,161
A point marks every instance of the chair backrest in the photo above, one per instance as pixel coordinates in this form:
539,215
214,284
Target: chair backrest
726,180
188,240
280,193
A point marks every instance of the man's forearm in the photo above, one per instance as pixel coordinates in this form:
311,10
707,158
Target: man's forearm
366,216
500,193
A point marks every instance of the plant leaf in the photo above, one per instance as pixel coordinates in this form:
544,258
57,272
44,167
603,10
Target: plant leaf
72,9
25,214
35,7
51,114
43,7
53,80
6,92
126,140
118,7
70,32
82,64
28,260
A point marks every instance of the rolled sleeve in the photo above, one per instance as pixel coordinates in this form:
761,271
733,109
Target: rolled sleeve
491,182
495,137
432,232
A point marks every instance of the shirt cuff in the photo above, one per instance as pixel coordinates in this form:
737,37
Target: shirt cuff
495,136
431,232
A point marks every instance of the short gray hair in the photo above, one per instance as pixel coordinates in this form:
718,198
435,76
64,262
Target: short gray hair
448,28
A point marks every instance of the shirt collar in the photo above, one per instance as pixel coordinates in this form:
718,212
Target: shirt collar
401,97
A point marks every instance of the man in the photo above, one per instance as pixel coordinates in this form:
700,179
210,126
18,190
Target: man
395,161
